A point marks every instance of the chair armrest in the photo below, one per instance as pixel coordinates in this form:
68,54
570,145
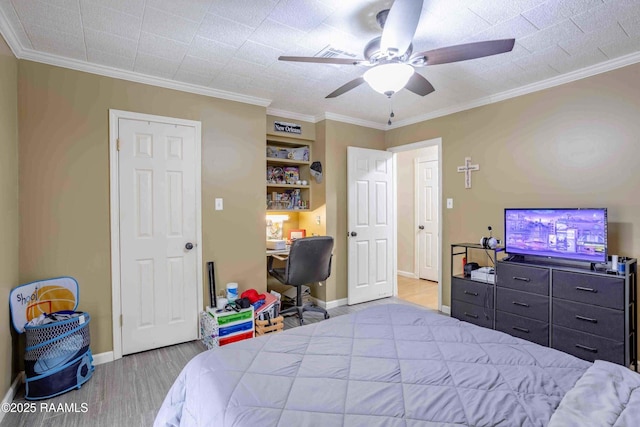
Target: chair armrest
270,259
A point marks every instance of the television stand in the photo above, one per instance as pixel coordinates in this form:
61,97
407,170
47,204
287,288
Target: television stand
568,306
515,258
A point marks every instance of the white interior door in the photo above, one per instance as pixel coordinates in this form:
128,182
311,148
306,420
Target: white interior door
371,222
427,218
158,219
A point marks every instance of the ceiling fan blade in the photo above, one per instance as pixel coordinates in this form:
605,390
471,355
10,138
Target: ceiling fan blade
419,85
346,87
321,60
462,52
401,25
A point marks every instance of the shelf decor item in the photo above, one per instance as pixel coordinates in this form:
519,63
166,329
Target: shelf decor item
291,174
300,154
297,234
277,152
275,175
288,173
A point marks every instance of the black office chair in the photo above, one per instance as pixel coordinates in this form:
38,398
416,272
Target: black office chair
309,261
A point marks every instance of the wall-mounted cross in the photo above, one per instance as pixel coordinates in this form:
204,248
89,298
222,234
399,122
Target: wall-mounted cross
467,169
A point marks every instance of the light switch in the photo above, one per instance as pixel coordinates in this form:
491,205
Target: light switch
318,220
449,203
218,204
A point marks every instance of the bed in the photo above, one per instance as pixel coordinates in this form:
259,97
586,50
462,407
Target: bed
394,365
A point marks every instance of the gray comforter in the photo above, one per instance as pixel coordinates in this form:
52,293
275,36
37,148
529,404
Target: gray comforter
606,395
390,365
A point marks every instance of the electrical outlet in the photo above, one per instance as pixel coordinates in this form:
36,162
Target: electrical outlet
219,205
449,203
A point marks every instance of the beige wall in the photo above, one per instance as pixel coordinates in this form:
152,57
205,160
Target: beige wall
574,145
8,206
338,137
64,181
405,176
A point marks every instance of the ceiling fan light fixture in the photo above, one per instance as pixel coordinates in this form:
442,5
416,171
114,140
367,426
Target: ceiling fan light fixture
388,78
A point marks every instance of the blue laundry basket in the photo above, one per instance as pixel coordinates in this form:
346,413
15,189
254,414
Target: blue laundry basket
57,357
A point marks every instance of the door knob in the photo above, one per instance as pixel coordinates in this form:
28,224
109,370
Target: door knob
354,234
188,246
421,227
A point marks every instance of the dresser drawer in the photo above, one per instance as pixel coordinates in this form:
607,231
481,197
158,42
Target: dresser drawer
472,313
471,292
522,327
523,304
523,278
588,347
604,322
589,288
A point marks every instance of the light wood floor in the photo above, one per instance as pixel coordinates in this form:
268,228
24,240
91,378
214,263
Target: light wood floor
128,392
418,291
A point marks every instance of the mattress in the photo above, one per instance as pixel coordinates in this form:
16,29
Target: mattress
387,365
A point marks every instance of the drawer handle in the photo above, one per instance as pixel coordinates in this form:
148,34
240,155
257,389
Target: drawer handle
475,316
475,294
584,347
586,319
522,279
525,330
521,304
580,288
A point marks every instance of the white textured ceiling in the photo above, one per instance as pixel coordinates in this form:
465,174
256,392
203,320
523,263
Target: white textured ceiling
233,46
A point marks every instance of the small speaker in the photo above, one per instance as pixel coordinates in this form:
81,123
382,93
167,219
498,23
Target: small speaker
469,267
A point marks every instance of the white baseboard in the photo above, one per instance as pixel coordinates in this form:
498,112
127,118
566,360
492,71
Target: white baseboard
100,358
336,303
10,394
407,274
446,309
331,304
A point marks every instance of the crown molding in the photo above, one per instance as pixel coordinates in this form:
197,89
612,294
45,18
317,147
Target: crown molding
291,115
583,73
132,76
353,121
29,54
6,30
46,58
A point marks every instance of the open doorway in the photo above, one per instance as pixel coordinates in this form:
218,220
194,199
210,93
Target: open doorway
419,253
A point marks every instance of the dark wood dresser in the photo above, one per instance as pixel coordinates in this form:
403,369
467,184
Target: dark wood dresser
589,314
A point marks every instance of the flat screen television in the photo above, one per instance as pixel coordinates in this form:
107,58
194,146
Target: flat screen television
573,234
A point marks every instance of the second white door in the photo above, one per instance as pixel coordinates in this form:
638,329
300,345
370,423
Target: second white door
370,222
158,234
427,218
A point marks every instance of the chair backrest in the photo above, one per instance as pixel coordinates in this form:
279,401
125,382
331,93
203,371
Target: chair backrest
309,260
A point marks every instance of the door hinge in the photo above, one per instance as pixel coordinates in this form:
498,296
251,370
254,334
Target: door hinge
118,144
121,320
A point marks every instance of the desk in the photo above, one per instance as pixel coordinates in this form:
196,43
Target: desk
278,251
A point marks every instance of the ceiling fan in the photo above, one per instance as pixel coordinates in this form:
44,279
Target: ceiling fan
390,57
